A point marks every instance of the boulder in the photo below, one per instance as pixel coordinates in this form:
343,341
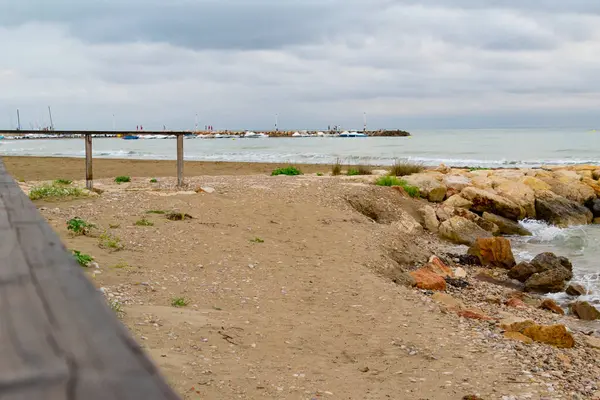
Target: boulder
596,174
431,222
520,194
522,271
444,212
550,305
555,335
546,261
495,252
594,206
570,188
550,281
592,183
584,310
515,324
535,183
576,289
429,187
505,225
462,231
483,223
484,201
437,266
443,169
518,337
455,183
457,201
427,279
560,211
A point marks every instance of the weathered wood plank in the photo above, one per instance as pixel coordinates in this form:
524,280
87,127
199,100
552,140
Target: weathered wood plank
58,338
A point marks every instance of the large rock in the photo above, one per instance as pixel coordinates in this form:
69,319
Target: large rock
545,273
426,279
550,305
483,223
455,183
535,183
484,201
584,310
576,289
555,335
571,188
546,261
560,211
592,183
430,220
462,231
457,201
505,225
594,206
429,187
437,266
495,252
522,271
550,281
520,194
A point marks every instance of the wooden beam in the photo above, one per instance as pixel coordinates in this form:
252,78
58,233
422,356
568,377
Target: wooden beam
180,160
89,175
58,338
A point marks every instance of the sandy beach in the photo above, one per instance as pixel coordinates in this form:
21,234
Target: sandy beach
299,288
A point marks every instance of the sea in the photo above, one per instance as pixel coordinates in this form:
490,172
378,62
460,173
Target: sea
486,148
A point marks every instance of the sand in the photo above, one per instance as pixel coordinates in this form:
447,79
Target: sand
49,168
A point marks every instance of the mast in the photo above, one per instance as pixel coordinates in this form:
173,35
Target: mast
365,121
196,125
51,123
276,122
18,120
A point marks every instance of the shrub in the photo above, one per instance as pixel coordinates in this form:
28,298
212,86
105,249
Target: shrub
389,180
63,182
286,171
83,259
153,180
108,241
352,172
144,222
122,179
412,191
336,169
78,226
360,170
179,302
403,168
54,191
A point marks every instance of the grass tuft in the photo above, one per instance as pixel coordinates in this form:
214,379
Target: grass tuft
153,180
290,171
403,168
62,182
336,169
83,259
122,179
54,191
179,302
360,170
116,306
319,174
257,240
144,222
388,180
161,212
79,227
109,241
177,216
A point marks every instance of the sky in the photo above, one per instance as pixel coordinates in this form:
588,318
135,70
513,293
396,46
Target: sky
236,64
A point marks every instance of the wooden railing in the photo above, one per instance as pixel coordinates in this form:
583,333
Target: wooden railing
58,338
88,135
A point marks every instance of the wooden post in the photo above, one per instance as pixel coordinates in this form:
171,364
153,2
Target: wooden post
89,175
180,160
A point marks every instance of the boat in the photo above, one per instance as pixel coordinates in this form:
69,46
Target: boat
131,137
352,134
1,137
254,135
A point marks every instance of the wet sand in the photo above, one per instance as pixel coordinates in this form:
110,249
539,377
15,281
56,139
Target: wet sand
49,168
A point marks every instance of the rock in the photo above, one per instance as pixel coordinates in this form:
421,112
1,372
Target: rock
592,342
570,188
515,324
584,310
444,212
594,184
520,194
431,222
428,280
460,273
515,303
443,168
546,261
550,281
484,276
484,201
448,301
518,337
455,183
596,174
401,277
522,271
495,252
560,211
457,201
555,335
575,289
483,224
462,231
429,187
534,183
594,207
505,225
550,305
437,266
472,314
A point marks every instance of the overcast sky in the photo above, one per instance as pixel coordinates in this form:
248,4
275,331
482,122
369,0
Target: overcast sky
407,64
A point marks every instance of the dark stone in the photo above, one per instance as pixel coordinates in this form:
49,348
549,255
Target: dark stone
594,206
549,281
584,310
522,271
457,282
546,261
560,211
575,289
465,259
506,226
485,277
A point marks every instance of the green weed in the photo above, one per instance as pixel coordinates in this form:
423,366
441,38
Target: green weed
54,191
403,168
319,174
257,240
122,179
388,180
83,259
79,227
286,171
179,302
336,169
63,182
153,180
144,222
117,307
156,212
109,241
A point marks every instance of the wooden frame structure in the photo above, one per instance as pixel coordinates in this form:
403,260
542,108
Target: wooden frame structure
58,338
